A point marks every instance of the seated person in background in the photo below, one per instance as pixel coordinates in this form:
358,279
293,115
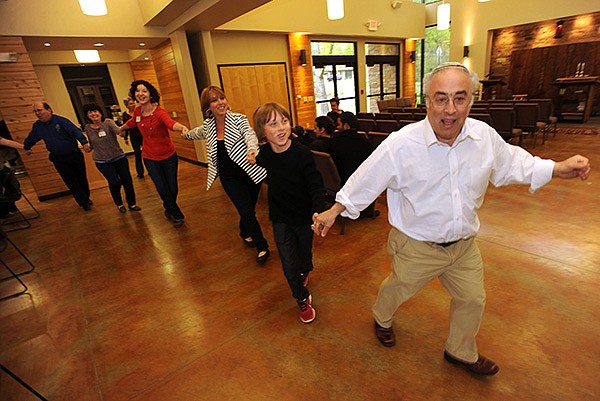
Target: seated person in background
303,136
324,129
335,108
348,150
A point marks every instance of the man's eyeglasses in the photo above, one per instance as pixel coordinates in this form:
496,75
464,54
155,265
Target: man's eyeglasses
441,101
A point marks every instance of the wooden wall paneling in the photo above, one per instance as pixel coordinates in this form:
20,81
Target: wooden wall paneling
249,86
19,88
302,85
145,70
532,71
172,100
549,73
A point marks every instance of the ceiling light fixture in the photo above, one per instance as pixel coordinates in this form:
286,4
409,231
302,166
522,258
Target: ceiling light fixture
87,56
47,44
142,44
98,44
443,16
335,9
93,7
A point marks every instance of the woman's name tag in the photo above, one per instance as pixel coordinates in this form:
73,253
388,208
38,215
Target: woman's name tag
138,119
101,134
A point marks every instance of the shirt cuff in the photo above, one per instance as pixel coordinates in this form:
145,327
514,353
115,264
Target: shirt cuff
542,174
351,211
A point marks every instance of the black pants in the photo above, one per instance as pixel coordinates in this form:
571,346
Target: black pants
243,192
71,169
164,176
136,144
294,244
117,174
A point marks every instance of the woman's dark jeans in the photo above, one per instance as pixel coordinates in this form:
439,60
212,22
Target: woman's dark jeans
117,174
164,176
244,194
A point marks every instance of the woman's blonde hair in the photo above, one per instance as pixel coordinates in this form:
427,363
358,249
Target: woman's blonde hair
266,113
206,98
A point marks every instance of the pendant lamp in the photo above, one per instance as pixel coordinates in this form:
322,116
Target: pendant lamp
335,9
93,7
443,16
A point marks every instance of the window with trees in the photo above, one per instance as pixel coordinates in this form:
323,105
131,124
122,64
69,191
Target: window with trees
334,75
382,72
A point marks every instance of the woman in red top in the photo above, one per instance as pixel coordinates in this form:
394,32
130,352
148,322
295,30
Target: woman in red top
158,149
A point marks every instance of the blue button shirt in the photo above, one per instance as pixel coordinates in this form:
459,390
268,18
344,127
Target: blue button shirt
59,134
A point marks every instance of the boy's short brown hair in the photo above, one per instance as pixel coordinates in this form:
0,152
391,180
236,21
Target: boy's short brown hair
265,113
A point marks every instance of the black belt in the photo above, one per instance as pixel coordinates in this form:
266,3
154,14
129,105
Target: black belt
447,244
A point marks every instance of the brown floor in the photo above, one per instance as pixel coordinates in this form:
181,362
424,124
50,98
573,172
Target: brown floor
125,307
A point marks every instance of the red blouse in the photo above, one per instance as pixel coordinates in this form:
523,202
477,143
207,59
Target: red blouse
155,128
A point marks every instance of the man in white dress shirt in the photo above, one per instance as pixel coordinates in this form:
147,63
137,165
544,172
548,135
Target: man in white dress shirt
436,173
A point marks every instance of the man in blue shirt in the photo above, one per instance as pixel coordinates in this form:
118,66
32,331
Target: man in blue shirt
61,136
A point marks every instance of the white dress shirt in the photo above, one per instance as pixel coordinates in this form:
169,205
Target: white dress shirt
434,190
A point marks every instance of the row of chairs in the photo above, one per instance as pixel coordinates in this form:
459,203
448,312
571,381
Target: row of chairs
391,125
414,114
519,120
514,121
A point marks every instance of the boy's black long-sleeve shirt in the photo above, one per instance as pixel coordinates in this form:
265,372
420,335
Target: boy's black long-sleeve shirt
295,186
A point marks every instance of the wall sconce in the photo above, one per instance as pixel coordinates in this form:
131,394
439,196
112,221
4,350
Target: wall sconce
465,51
413,56
443,16
335,9
93,7
303,57
559,29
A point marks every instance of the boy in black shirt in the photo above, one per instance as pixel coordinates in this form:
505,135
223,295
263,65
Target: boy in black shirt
295,193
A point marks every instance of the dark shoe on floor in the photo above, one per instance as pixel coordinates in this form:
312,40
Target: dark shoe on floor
87,207
135,208
122,209
483,366
262,257
249,242
384,335
168,215
177,223
307,312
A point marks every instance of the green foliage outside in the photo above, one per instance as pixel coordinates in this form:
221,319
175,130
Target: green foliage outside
437,51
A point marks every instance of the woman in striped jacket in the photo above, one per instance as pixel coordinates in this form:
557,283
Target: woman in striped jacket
230,140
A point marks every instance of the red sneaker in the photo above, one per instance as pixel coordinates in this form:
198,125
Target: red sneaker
307,312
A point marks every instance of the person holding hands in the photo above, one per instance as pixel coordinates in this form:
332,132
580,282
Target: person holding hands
158,151
436,172
230,141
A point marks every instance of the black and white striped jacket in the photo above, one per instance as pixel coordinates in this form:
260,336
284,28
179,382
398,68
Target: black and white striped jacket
239,138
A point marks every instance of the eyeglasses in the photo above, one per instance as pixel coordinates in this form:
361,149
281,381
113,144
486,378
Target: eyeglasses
441,101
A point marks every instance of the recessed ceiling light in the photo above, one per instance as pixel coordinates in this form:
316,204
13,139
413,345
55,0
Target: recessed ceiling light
142,44
47,44
99,44
146,58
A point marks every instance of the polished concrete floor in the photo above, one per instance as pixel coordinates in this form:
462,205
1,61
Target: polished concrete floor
126,307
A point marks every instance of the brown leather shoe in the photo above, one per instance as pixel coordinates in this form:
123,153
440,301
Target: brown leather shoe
483,366
385,336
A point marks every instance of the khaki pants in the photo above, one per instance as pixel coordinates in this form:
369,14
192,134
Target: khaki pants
460,270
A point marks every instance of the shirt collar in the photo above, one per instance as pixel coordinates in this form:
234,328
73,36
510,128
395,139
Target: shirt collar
466,132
